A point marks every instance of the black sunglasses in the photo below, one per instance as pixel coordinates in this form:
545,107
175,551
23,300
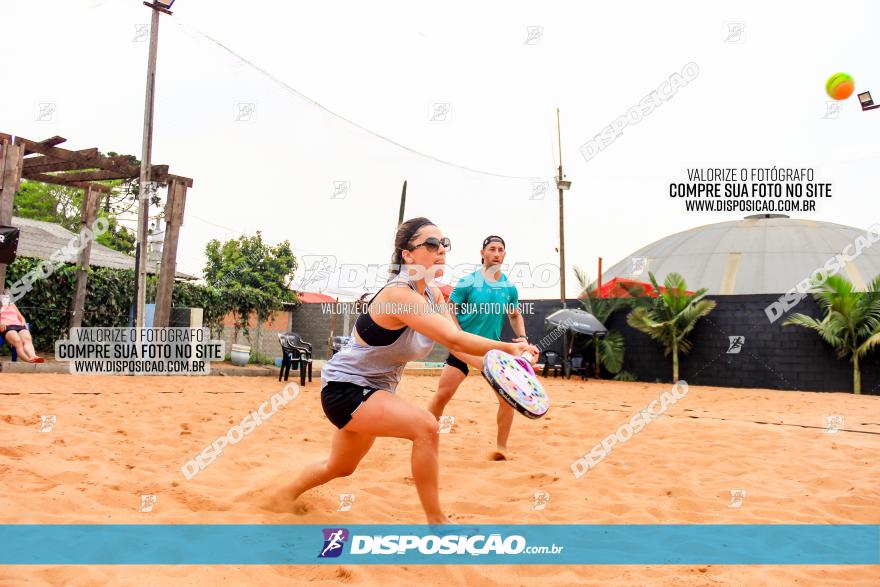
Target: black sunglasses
432,244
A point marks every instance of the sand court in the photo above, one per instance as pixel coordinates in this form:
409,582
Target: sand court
116,446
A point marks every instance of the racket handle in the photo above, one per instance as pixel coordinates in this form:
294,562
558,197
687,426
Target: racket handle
525,361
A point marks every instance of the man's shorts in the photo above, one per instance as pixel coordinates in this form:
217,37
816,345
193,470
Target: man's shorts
454,361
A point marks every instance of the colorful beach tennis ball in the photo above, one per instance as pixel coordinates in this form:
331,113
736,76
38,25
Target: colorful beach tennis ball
840,86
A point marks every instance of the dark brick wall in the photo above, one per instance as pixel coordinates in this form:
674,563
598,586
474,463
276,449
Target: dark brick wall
314,325
534,312
772,356
268,343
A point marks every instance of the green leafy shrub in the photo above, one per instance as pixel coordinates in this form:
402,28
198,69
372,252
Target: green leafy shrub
110,294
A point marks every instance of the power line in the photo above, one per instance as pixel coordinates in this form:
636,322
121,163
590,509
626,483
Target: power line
299,94
241,233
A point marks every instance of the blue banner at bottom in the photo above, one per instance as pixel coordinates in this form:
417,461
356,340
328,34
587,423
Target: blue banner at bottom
662,544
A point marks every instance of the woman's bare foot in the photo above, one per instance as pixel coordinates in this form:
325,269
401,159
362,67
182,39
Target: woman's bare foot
438,519
283,501
498,455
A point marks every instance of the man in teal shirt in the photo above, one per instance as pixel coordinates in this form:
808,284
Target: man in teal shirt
482,300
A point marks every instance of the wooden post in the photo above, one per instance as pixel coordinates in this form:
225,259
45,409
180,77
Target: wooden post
173,220
332,329
144,179
10,175
259,334
91,199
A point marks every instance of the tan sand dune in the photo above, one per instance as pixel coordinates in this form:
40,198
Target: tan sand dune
118,438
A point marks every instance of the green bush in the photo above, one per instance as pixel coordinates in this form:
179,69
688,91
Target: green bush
260,359
109,296
48,304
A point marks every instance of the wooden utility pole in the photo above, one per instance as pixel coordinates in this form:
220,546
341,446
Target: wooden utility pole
140,282
562,185
402,205
561,218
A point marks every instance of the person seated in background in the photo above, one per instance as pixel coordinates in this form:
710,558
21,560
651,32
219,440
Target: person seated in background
14,328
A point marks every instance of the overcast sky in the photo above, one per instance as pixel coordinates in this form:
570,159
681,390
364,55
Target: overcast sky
268,137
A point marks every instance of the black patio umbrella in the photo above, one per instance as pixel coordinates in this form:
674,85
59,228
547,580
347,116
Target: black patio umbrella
576,320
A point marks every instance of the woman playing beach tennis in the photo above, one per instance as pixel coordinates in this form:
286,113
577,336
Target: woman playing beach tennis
401,324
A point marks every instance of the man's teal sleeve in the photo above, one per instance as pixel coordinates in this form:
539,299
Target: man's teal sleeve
460,294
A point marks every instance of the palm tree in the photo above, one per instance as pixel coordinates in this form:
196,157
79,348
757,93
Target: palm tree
608,350
851,323
673,316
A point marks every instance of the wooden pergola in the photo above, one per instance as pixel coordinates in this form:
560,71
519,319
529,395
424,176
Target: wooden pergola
45,162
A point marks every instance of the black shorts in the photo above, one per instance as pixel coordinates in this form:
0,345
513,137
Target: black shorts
454,361
13,328
340,399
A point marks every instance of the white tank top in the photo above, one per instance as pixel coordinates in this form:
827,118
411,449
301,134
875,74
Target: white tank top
380,367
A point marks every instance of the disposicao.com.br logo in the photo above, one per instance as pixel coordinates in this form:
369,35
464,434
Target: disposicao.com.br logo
430,544
334,540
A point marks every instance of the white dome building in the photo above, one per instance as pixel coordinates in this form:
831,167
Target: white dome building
761,254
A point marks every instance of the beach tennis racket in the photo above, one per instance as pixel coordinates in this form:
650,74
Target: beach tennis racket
515,381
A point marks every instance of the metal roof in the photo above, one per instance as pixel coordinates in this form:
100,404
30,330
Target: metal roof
39,240
762,254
